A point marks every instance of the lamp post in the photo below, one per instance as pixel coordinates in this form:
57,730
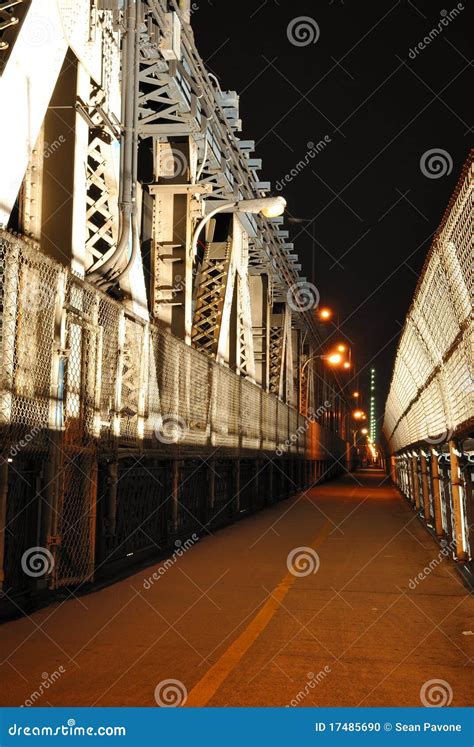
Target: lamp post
364,432
356,414
332,358
270,207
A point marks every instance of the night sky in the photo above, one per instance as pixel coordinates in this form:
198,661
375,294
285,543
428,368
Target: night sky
374,209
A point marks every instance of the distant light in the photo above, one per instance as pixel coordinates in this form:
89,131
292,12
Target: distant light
325,313
334,358
347,364
355,394
341,348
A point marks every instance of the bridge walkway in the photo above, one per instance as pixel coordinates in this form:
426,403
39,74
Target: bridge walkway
228,620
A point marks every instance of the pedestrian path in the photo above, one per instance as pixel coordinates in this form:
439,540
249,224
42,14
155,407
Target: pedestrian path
336,597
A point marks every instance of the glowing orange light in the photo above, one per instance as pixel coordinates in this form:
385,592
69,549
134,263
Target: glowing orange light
347,364
364,431
325,313
358,415
355,394
341,348
334,358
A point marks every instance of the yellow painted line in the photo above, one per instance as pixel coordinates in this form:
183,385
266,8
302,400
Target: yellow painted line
207,687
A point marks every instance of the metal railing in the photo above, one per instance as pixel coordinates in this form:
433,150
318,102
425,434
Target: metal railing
102,414
430,408
432,394
74,360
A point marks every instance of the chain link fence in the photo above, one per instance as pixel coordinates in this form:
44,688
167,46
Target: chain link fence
432,394
82,380
429,414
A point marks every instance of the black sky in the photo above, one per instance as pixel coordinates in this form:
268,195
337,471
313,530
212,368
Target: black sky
374,209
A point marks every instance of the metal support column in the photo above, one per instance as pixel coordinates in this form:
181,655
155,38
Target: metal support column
435,486
175,478
269,495
424,486
415,483
393,471
457,496
236,487
3,513
112,479
211,481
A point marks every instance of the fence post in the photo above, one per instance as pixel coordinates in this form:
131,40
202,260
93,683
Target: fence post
236,487
175,478
393,471
211,479
93,517
53,491
116,417
415,483
112,479
3,514
435,483
269,496
256,487
424,486
456,490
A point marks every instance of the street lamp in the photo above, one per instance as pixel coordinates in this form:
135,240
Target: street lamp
270,207
332,358
325,314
